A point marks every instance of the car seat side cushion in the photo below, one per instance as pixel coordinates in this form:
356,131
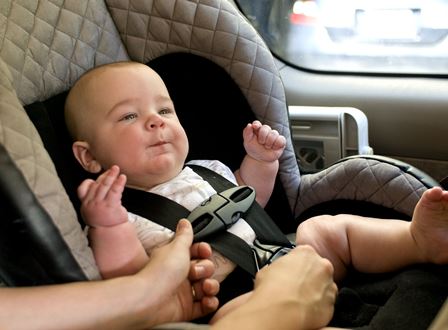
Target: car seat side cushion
32,250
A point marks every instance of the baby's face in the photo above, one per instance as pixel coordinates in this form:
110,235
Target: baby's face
134,125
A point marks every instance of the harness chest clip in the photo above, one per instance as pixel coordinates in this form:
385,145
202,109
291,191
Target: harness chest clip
221,211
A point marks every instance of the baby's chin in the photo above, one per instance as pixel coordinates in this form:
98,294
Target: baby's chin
158,173
166,165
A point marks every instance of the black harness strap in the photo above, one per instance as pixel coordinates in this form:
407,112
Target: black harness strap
154,207
166,212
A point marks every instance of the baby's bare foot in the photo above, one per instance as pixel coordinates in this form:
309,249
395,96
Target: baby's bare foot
429,225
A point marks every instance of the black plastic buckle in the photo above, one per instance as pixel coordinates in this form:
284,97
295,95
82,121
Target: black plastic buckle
221,211
265,254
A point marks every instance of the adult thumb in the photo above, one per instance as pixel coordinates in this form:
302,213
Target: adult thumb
184,232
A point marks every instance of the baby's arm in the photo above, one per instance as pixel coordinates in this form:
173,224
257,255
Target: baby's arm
264,146
112,237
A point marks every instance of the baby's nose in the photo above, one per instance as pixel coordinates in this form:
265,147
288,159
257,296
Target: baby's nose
154,122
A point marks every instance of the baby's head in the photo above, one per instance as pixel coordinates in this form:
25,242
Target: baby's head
122,114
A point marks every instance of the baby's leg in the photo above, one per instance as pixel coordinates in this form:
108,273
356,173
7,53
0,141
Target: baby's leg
429,226
327,235
381,245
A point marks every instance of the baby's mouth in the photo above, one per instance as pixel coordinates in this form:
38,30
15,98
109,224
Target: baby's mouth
157,144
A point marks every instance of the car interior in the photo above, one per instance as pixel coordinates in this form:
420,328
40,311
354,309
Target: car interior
351,144
404,104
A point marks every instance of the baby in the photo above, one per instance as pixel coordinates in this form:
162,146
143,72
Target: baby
125,127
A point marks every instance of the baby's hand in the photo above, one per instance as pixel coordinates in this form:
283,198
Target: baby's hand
262,142
101,199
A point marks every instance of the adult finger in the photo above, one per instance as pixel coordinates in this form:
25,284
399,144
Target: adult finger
206,287
201,250
200,269
204,306
184,234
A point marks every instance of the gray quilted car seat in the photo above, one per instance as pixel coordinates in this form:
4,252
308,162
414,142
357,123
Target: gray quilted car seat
46,45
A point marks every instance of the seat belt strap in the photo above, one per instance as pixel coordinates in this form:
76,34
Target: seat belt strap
157,208
167,213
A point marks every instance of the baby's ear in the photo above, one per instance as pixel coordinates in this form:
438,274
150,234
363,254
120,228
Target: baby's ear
82,153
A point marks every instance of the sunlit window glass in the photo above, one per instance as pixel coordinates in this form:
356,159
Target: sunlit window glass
370,36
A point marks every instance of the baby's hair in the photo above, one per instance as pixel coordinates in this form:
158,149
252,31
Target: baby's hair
73,107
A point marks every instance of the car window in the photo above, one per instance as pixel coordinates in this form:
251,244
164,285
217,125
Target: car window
367,36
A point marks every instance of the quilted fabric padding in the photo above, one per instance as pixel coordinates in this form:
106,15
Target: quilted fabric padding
44,47
48,44
23,143
365,180
216,30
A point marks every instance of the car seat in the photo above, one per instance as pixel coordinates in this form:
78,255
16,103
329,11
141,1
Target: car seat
220,75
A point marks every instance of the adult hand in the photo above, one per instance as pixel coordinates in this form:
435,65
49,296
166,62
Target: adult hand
161,292
306,280
182,287
297,291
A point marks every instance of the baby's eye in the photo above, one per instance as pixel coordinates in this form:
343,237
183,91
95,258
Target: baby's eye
128,116
165,111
